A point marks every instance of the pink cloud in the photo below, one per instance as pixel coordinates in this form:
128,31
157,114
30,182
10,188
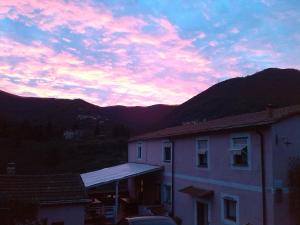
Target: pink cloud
213,43
201,35
53,14
234,30
155,71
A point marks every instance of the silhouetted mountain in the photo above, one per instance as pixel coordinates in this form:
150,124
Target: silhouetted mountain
278,87
31,128
66,112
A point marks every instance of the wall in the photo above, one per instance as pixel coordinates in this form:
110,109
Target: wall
220,177
286,145
69,214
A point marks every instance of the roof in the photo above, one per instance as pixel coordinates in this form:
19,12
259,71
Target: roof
44,189
256,119
115,173
197,192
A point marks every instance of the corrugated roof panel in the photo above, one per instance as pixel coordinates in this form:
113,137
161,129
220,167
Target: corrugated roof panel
120,172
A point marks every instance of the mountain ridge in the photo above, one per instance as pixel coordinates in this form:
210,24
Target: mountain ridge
230,97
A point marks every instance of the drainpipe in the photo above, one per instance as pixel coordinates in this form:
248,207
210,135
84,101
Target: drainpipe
263,176
173,165
116,201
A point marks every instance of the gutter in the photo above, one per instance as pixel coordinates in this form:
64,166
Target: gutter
263,176
173,177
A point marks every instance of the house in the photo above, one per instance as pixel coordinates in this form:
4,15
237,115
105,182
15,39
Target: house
233,170
55,199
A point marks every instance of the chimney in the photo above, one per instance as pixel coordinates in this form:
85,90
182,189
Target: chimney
269,110
11,168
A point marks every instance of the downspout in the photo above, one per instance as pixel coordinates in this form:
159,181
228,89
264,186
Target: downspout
263,176
172,187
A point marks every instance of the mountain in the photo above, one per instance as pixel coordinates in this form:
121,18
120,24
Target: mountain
66,112
273,86
31,129
278,87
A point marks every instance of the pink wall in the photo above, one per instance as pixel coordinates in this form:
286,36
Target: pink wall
223,178
286,145
69,214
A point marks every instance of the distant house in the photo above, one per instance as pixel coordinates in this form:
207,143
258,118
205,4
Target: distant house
72,134
58,199
231,171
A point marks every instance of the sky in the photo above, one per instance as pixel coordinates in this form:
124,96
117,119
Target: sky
141,52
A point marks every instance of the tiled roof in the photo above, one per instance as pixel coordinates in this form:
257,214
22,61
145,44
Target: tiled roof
44,189
265,117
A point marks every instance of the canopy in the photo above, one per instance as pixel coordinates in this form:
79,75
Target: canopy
197,192
116,173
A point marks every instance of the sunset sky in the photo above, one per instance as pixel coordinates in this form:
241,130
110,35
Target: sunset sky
141,52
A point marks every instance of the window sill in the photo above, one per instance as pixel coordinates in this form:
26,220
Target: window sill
240,167
229,222
202,167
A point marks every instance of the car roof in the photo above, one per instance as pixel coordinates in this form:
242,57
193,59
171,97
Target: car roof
139,218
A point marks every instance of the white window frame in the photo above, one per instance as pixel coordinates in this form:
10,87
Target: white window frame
240,135
164,194
167,142
230,197
139,146
208,153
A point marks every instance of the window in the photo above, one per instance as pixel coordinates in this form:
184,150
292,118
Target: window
139,151
167,151
230,209
202,153
239,151
167,194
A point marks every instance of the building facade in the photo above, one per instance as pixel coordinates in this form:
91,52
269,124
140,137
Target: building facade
229,171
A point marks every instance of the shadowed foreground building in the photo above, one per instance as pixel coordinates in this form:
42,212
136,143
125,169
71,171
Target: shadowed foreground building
49,199
232,170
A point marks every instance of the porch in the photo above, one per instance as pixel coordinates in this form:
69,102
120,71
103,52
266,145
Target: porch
128,189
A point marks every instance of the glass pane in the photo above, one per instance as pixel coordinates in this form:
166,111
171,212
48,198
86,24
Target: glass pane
240,157
167,153
202,160
230,209
239,142
202,144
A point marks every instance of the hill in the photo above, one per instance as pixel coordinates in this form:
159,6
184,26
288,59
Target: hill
31,129
278,87
66,112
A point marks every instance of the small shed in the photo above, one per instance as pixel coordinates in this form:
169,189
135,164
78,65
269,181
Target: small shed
58,199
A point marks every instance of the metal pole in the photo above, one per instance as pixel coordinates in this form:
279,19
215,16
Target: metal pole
116,201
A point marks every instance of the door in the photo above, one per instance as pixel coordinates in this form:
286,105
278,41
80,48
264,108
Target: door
140,190
202,213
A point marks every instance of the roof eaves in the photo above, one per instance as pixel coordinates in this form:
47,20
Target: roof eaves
178,134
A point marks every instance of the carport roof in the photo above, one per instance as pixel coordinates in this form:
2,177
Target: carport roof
116,173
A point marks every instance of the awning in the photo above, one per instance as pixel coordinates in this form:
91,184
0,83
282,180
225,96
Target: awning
197,192
116,173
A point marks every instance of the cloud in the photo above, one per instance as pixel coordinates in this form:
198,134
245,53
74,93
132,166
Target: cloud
213,43
108,55
234,30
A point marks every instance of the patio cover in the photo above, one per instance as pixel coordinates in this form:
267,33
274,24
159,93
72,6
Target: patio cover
197,192
116,173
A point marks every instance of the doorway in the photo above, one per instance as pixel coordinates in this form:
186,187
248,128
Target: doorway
202,211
